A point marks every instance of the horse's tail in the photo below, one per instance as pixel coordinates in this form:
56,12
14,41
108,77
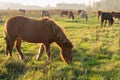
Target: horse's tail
7,43
5,34
6,38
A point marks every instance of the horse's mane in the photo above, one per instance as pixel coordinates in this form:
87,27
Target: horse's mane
59,32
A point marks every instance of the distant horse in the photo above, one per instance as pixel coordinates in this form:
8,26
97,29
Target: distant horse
71,15
79,11
44,31
22,10
106,16
45,13
116,15
64,13
99,14
84,15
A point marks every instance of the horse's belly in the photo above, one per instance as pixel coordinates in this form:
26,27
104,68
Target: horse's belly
36,39
32,39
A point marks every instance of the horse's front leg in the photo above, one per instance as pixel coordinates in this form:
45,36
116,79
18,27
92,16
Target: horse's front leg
40,51
48,51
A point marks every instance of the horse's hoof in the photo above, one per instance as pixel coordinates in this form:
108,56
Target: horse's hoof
22,58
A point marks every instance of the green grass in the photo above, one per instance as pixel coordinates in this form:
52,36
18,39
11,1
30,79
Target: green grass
96,52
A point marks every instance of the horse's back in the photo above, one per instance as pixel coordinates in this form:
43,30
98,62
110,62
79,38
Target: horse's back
106,16
28,29
84,14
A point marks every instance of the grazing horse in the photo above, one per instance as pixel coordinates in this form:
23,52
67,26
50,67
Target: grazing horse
84,15
106,16
45,13
44,31
71,15
22,10
64,13
116,15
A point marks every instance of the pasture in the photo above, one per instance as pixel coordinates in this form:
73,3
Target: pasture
96,52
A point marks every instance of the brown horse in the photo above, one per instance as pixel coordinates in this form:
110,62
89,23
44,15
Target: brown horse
43,31
71,15
79,11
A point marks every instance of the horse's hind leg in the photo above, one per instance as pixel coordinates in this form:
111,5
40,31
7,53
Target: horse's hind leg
102,21
18,47
40,51
105,23
9,47
110,23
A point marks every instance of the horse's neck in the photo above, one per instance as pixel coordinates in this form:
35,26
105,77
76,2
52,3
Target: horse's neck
59,43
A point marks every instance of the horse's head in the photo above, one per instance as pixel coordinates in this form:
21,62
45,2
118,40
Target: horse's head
64,43
66,52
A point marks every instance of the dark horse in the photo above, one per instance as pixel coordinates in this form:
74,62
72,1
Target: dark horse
64,13
44,31
71,15
106,16
45,13
22,10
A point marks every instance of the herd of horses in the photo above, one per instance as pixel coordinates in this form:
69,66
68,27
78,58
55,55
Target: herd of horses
45,31
104,16
108,16
83,14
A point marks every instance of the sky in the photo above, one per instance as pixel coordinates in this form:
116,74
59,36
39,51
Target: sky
44,3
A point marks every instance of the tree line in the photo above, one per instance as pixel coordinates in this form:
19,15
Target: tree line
109,5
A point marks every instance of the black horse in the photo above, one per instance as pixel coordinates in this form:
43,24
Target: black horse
106,16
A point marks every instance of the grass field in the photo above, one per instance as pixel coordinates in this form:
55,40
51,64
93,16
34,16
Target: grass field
96,52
